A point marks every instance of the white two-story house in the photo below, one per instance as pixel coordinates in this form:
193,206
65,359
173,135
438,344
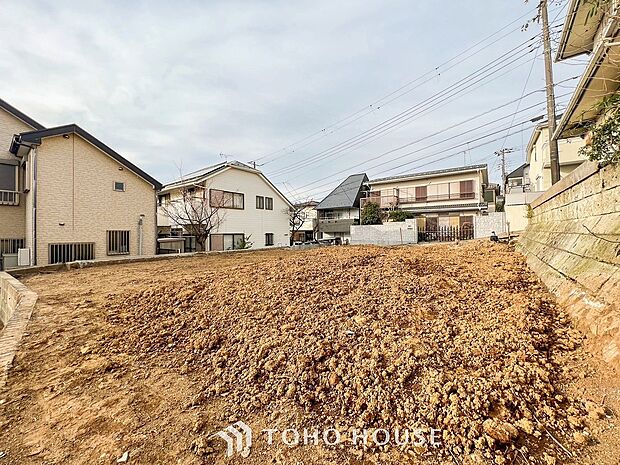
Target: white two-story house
246,208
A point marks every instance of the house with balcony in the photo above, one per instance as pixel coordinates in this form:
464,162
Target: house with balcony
439,198
66,196
244,207
341,208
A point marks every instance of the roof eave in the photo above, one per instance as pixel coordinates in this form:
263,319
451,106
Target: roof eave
438,173
561,129
569,22
20,116
36,137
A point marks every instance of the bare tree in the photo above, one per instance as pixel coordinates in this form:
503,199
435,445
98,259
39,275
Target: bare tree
196,209
298,216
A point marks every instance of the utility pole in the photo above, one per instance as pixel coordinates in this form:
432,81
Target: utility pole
551,117
502,155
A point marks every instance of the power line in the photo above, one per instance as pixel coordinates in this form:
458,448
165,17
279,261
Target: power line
371,107
454,154
522,49
442,131
436,153
423,113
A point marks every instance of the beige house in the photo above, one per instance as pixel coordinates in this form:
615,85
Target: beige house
448,197
597,33
66,196
248,206
530,180
539,158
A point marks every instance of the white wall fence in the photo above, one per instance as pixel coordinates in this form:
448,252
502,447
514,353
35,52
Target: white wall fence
395,233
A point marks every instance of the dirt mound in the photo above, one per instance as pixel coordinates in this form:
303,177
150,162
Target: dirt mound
465,340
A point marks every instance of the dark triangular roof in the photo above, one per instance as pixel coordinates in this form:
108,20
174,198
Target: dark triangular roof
346,195
19,115
517,173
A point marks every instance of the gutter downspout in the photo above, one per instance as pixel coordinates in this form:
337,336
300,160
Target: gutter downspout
140,234
34,206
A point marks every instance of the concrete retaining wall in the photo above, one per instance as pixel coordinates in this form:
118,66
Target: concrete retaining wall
573,243
16,305
484,225
395,233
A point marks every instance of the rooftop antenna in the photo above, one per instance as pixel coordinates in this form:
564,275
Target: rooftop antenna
225,157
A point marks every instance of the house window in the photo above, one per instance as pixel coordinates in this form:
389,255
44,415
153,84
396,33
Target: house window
268,203
226,199
466,189
117,242
225,241
268,239
420,194
260,202
163,199
71,252
11,246
8,180
119,186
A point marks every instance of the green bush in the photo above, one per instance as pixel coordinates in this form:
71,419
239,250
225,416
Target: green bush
400,215
605,136
371,213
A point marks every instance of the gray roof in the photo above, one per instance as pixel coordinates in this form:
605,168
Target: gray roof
430,173
196,177
346,195
35,137
19,115
201,173
517,173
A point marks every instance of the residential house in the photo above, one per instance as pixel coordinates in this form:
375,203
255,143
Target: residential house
539,158
65,196
593,31
518,178
341,208
531,179
307,218
246,205
447,197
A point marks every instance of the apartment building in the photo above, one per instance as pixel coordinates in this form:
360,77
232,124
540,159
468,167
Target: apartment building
439,198
245,207
341,208
66,196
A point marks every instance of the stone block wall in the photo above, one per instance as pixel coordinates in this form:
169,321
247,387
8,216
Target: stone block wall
484,225
395,233
573,243
16,305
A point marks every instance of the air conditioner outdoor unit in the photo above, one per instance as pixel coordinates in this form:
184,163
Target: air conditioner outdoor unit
23,257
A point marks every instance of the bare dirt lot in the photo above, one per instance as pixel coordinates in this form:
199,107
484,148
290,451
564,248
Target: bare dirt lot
154,358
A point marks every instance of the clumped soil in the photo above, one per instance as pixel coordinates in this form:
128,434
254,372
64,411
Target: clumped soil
462,338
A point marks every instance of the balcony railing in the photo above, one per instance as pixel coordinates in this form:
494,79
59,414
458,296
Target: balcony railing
439,197
9,198
389,201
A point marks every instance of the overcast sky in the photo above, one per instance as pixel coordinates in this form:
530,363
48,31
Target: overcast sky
172,85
